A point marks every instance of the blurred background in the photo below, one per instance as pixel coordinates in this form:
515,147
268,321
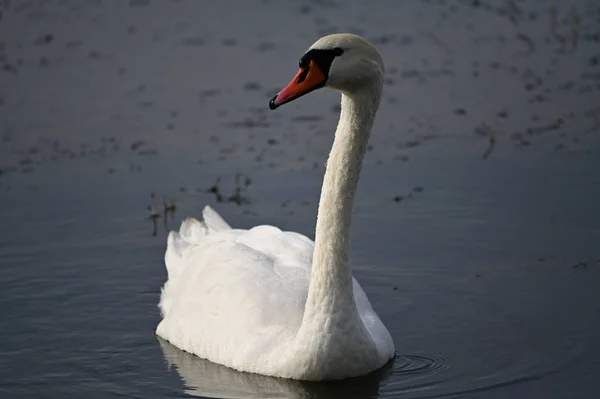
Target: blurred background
476,231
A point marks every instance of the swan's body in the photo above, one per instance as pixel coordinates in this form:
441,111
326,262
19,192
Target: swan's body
273,302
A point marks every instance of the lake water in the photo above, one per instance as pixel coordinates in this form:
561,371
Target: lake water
477,225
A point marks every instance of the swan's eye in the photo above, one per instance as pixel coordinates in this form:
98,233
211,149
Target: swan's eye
321,57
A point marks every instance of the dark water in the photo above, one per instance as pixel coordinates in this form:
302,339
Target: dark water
477,225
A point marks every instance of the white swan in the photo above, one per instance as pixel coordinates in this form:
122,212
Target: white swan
273,302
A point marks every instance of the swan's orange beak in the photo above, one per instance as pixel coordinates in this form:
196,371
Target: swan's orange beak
307,79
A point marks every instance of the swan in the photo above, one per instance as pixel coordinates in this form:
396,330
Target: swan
274,302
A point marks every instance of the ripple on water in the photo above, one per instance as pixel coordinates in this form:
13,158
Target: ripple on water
413,373
416,364
420,376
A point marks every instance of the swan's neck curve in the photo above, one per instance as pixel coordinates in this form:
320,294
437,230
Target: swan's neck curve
330,290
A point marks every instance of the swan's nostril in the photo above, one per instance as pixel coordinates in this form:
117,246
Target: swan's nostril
302,76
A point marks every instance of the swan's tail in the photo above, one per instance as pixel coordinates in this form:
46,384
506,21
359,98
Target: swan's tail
191,232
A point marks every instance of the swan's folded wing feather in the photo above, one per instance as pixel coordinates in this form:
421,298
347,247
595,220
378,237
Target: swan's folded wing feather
246,273
191,233
380,335
213,221
192,230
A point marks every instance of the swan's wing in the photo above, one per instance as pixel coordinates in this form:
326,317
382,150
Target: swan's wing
232,291
377,330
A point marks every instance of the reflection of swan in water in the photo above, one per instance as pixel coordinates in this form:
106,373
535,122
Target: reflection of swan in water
207,379
273,302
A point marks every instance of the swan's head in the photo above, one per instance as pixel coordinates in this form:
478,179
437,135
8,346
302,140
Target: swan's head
343,62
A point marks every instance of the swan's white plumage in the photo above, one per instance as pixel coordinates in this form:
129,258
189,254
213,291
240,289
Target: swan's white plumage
274,302
236,297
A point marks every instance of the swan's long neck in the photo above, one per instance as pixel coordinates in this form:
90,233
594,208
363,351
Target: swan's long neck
330,290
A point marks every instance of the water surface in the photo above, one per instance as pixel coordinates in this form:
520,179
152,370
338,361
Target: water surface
476,232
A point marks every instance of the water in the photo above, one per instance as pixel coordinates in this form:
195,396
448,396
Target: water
480,254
